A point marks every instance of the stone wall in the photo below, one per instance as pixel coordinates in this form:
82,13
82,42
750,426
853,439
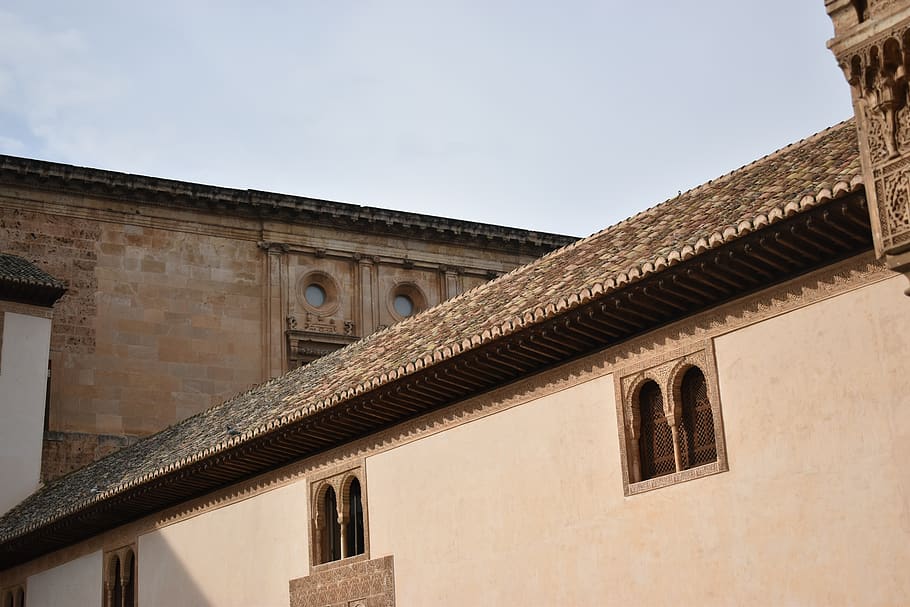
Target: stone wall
175,305
157,324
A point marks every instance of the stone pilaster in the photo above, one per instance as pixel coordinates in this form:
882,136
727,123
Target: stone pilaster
451,286
872,46
368,288
276,307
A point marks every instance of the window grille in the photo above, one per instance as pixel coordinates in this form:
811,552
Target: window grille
698,421
656,439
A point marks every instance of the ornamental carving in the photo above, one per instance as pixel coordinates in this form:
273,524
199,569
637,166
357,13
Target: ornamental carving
893,190
872,45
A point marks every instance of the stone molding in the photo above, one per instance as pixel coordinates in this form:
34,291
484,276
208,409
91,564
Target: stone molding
193,222
154,191
114,212
687,334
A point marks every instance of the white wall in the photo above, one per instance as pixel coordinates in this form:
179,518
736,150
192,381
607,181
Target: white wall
243,554
526,506
23,384
77,583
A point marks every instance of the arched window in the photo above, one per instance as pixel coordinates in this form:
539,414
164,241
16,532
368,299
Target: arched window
696,436
354,531
656,442
331,538
120,577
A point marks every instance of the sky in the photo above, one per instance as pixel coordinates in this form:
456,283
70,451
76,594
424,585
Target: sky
561,117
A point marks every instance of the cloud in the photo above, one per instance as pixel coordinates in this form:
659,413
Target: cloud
8,145
46,77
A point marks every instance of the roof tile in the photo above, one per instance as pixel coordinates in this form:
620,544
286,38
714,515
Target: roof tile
700,218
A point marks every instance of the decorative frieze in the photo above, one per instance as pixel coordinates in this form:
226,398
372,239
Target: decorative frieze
355,584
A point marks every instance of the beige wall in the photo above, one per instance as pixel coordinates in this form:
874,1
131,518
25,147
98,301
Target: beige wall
527,507
25,341
242,555
74,584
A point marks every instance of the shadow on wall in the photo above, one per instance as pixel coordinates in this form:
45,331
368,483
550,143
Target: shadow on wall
242,553
165,580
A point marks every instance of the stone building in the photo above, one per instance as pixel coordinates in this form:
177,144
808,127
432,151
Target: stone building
705,404
182,295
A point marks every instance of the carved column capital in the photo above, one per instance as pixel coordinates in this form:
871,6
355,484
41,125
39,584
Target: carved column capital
273,247
365,260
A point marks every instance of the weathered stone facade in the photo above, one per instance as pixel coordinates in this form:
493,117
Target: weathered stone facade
181,295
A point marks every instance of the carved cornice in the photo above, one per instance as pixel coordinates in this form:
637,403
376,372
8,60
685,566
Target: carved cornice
154,191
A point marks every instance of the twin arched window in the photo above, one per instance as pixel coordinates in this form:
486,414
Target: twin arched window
120,581
685,438
340,529
14,597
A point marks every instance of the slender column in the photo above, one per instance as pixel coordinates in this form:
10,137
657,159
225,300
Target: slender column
676,457
634,434
343,521
124,583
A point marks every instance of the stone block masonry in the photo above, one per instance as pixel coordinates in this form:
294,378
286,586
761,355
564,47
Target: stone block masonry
182,295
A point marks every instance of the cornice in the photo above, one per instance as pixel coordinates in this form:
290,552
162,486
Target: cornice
154,191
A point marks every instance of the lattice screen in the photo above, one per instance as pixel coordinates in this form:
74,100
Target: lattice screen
698,421
656,441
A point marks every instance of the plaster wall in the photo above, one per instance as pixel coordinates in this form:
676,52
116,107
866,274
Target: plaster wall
243,554
526,506
23,385
75,584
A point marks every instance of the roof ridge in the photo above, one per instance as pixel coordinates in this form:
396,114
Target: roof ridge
768,157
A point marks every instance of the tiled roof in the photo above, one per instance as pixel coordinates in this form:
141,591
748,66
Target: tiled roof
15,269
785,183
22,281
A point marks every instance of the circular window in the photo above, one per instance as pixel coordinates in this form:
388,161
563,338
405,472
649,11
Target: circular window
317,292
405,300
403,305
314,295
